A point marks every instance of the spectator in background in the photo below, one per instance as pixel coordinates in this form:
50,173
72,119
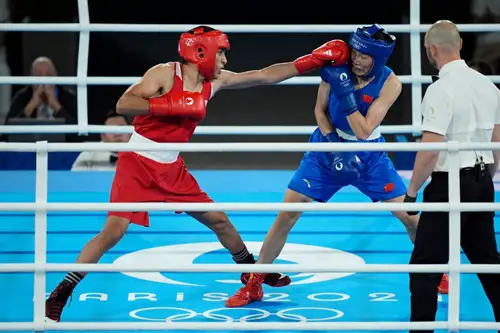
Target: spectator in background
99,160
44,101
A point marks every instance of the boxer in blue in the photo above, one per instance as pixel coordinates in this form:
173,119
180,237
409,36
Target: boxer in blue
352,101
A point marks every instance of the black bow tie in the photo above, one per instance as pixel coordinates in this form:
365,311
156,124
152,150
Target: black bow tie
434,78
113,157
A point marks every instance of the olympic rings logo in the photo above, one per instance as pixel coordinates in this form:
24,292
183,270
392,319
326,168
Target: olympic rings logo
221,314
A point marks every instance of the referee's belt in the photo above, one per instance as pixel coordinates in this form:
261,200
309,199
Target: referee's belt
477,170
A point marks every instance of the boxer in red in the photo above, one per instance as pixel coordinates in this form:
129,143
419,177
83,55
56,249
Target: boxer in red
168,103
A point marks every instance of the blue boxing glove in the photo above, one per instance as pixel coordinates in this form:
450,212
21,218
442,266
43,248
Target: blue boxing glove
342,86
347,165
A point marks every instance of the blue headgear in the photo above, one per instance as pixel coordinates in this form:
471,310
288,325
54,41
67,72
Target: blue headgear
363,41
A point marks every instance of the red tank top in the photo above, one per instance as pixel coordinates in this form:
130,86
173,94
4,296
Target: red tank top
170,129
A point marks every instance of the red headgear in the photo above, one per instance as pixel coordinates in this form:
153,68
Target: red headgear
201,48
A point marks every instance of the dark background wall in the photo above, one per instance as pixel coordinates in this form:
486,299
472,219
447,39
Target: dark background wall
131,54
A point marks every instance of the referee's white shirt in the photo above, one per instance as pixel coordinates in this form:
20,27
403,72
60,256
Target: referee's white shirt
463,105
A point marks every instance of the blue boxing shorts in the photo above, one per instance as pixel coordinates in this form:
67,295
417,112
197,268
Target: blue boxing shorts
318,180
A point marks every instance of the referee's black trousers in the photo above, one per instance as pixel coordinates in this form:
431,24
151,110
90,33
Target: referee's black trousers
431,243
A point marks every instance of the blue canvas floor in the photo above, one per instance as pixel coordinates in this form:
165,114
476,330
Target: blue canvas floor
324,238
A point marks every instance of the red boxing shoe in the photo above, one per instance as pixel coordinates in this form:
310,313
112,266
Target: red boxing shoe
251,292
443,286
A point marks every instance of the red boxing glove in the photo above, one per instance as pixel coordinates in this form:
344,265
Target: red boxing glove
184,104
335,51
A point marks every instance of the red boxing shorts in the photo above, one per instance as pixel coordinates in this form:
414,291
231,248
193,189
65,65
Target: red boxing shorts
139,179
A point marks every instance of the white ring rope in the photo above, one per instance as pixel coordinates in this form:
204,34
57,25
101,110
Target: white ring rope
246,207
41,206
252,326
200,130
230,268
127,80
250,146
233,28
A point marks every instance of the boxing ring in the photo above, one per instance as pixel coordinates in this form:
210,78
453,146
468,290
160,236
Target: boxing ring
348,258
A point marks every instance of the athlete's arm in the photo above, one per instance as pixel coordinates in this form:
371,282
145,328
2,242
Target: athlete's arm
364,126
135,100
335,51
321,109
266,76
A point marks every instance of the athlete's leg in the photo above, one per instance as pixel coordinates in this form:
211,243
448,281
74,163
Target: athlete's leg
113,231
276,237
312,181
128,186
229,237
225,231
381,182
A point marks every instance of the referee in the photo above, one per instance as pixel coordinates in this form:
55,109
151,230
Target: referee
462,105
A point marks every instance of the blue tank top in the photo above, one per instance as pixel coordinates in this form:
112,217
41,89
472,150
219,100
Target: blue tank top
364,96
